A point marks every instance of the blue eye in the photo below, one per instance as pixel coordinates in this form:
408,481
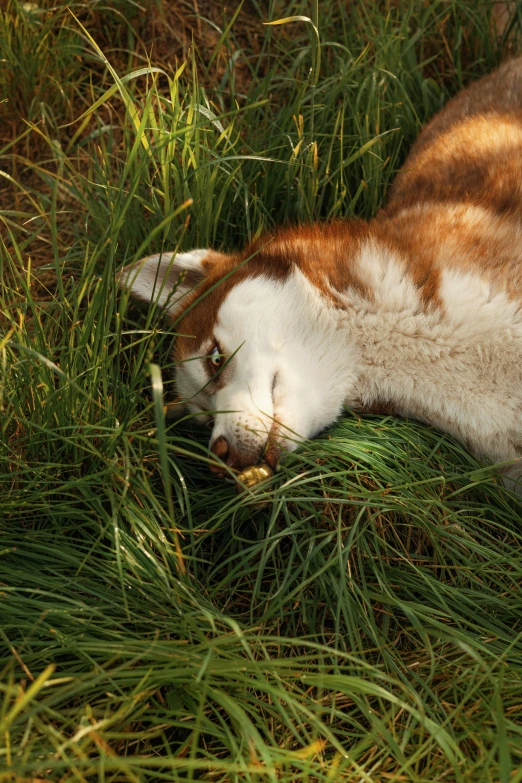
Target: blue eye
216,357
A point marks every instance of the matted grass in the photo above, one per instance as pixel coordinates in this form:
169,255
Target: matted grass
355,618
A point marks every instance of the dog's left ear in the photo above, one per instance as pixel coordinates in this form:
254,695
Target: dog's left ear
165,279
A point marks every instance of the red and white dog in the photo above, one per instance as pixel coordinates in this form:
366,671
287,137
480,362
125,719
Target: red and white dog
416,312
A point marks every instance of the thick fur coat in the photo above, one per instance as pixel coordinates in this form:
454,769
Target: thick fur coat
417,312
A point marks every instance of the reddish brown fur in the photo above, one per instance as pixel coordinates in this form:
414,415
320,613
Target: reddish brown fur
469,155
476,161
470,151
321,251
430,238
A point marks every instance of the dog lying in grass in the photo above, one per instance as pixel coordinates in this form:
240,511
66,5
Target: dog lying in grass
417,312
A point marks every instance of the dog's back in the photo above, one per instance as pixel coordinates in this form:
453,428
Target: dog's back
471,151
457,203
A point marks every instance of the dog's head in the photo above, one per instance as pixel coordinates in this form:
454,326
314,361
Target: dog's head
257,347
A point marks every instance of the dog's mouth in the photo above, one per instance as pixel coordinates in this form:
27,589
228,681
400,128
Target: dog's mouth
236,463
272,451
270,457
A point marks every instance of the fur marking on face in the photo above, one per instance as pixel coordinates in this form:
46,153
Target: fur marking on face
417,312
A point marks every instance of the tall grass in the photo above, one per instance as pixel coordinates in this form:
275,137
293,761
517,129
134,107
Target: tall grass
363,623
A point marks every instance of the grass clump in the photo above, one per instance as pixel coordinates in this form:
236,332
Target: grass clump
364,624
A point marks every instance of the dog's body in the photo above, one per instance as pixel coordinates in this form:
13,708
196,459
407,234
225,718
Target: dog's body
417,312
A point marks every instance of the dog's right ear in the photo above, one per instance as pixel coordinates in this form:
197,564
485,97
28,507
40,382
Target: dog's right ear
165,279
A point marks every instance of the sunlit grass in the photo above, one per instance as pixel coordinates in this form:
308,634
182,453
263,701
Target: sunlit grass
363,623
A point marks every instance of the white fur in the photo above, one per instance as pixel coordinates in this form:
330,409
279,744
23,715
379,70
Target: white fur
384,273
300,359
286,367
459,368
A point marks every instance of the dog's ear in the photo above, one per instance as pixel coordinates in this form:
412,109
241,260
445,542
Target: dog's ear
165,279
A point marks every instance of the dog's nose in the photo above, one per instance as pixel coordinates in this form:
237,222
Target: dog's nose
220,448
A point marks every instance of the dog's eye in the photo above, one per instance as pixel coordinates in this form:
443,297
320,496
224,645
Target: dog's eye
216,358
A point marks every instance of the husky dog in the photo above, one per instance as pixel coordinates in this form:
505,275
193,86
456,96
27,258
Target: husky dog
417,312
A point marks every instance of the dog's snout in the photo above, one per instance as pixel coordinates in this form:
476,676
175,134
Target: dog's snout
229,455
